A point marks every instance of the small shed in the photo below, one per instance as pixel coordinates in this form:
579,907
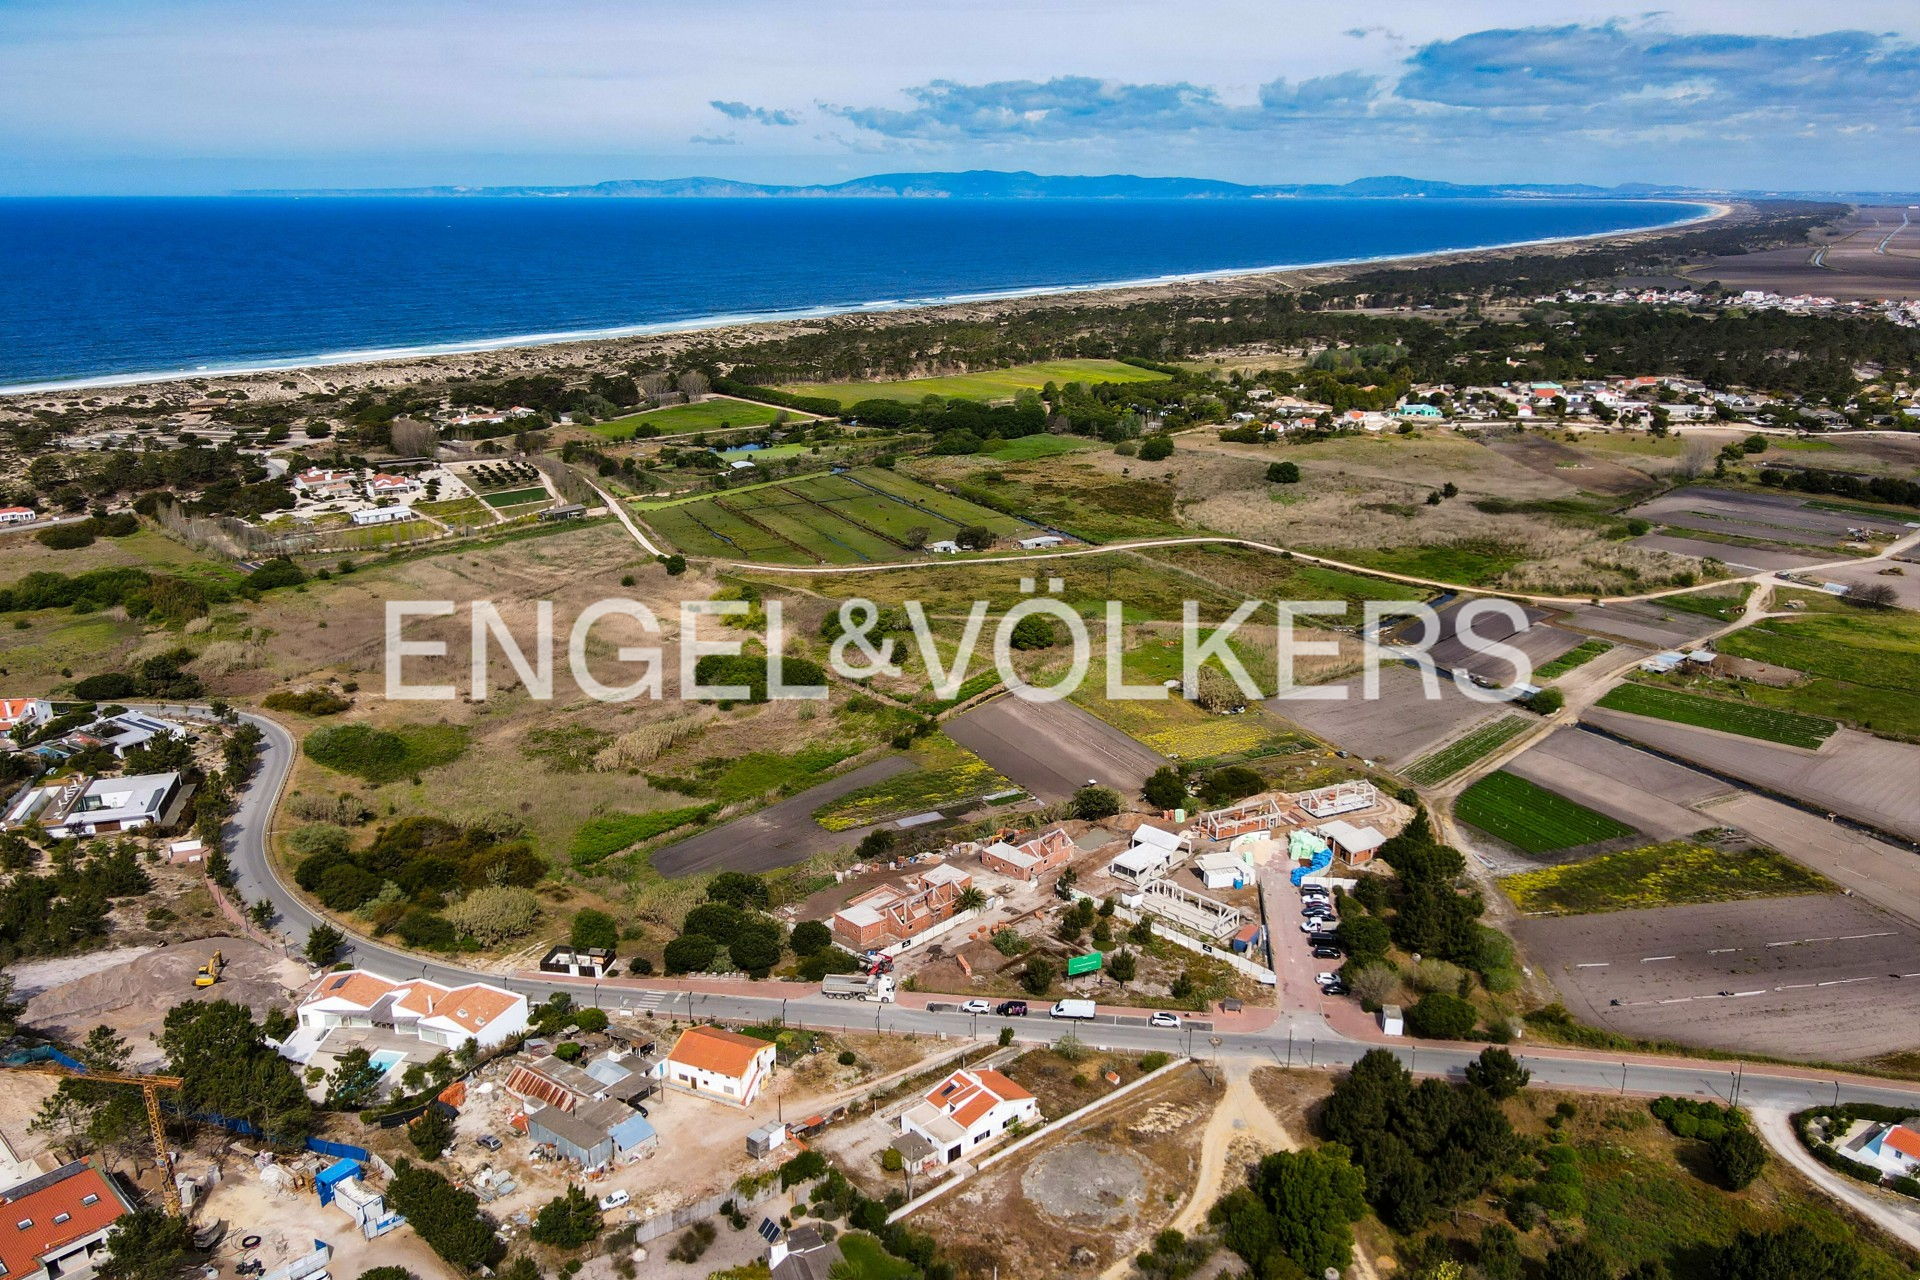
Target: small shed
1042,542
1391,1022
634,1137
767,1138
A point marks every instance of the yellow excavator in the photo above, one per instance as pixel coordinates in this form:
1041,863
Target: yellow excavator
210,971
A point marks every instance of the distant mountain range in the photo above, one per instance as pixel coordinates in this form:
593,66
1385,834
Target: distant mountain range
991,184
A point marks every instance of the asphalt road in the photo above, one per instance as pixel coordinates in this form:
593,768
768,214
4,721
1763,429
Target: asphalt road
1298,1039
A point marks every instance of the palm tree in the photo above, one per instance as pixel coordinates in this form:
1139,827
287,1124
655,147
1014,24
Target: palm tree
971,898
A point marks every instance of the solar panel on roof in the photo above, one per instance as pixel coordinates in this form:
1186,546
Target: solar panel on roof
769,1230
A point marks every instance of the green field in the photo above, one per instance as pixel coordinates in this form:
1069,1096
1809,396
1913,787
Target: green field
1437,766
948,774
1673,874
1862,665
995,384
457,510
1532,818
1724,607
1027,448
1743,718
1579,656
707,415
515,497
867,516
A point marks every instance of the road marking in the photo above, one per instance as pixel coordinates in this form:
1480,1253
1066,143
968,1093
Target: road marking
1720,951
1758,992
1651,959
1795,986
1594,964
1841,982
1854,937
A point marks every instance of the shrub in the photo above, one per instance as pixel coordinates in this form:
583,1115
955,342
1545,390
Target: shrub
1440,1016
1156,447
1090,804
307,702
1738,1157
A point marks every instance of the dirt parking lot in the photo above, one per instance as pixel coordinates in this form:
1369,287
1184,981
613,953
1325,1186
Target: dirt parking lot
1828,977
1401,725
1053,748
1866,778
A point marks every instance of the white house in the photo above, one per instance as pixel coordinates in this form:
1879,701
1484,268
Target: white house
382,485
318,482
722,1065
1042,542
443,1016
944,547
18,515
967,1110
382,515
57,1224
1894,1149
101,806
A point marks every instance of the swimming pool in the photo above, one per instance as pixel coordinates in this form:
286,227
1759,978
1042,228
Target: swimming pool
387,1059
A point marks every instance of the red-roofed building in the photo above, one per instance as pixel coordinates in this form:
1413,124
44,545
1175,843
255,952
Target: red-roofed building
723,1065
18,515
967,1110
52,1227
443,1016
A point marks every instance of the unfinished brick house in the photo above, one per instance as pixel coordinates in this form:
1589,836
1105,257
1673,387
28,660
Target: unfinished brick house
898,913
1046,852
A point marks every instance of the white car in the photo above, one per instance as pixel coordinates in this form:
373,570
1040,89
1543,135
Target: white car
1324,978
976,1006
1319,924
614,1199
1164,1019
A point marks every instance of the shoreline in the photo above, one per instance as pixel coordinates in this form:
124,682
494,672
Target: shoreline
666,337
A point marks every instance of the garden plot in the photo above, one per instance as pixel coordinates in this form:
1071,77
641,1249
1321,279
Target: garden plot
1532,818
1865,778
1401,725
1785,976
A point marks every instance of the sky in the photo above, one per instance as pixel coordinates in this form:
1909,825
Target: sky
208,96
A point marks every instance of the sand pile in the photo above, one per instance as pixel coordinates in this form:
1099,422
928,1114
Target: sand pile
133,998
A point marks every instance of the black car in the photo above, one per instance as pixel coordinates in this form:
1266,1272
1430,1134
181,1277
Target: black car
1315,909
1011,1008
1323,939
1324,952
1335,988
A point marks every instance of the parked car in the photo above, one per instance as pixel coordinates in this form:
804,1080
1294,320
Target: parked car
1325,978
1319,924
1011,1008
1316,910
1323,952
1323,939
614,1199
1164,1019
976,1006
488,1141
1335,988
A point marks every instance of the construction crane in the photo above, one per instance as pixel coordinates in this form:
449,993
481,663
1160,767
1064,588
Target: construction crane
149,1087
209,973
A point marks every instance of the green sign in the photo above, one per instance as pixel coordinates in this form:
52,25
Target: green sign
1088,963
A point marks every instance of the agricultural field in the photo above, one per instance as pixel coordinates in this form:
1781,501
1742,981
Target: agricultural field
21,553
496,477
457,511
1083,494
719,413
863,517
1863,666
1437,766
994,384
515,497
1743,718
1579,656
1532,818
1674,873
947,774
1028,448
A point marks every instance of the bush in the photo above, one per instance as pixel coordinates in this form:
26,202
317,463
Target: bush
809,937
1440,1016
593,928
307,702
693,1242
1156,447
1283,472
1037,977
1090,804
1739,1157
690,953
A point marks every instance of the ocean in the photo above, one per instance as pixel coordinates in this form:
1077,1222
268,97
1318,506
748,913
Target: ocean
110,290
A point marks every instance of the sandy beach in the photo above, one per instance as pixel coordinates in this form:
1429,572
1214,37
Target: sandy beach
567,357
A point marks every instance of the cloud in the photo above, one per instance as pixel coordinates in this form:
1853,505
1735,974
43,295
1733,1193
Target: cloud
1610,83
714,140
759,115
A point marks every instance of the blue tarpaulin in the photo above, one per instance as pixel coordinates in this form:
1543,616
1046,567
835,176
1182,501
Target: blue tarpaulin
338,1171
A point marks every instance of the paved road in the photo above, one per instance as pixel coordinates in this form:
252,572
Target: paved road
1296,1039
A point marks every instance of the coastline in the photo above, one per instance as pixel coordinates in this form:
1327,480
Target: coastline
562,351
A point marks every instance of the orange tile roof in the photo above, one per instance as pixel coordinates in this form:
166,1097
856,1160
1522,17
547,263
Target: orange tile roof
969,1095
725,1053
356,986
63,1193
1903,1140
473,1007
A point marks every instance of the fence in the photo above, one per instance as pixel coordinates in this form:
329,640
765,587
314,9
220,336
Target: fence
661,1224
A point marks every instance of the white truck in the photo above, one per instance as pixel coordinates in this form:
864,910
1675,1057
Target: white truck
1079,1010
877,987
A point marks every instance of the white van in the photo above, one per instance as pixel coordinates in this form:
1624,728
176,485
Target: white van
1081,1010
